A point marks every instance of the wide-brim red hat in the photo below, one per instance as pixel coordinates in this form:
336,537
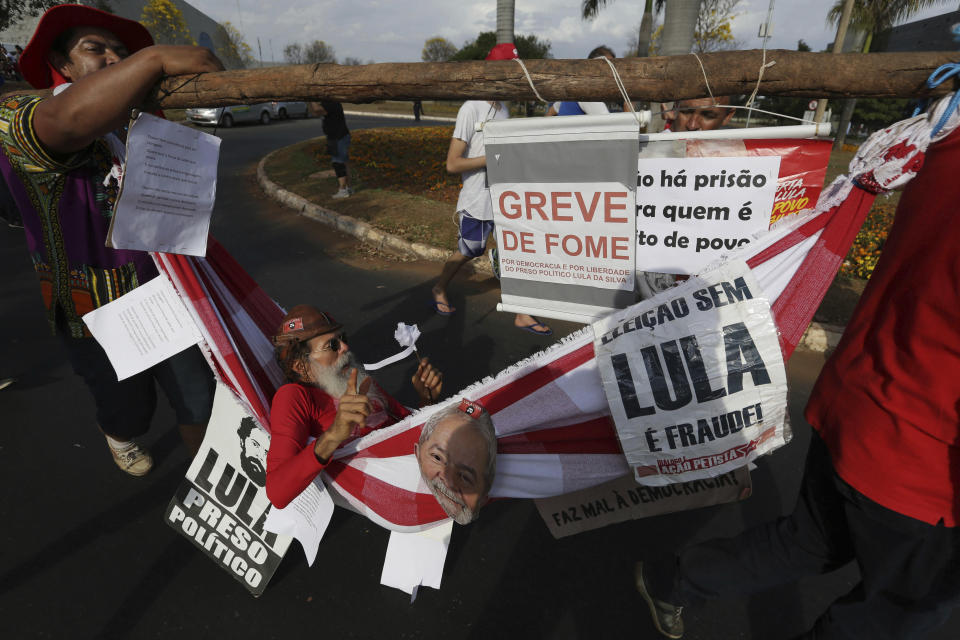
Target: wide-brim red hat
503,51
33,60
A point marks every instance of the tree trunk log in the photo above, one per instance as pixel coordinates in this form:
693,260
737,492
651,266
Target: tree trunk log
796,73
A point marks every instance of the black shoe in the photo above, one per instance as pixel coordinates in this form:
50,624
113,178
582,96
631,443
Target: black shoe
666,617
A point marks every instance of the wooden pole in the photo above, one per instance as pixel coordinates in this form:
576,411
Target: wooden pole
801,74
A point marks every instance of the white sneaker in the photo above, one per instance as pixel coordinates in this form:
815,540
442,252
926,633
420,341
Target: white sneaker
132,459
343,193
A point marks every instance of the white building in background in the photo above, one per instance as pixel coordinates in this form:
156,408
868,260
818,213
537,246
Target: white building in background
204,29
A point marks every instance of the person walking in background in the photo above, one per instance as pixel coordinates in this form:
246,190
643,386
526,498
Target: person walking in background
466,156
338,144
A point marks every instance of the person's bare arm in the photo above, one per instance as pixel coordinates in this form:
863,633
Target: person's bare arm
456,163
101,102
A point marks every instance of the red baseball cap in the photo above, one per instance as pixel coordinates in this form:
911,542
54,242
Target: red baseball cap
33,61
503,51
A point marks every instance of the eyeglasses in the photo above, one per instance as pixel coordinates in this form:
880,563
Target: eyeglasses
334,344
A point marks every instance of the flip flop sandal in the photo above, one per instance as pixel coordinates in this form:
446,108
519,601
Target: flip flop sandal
532,329
440,312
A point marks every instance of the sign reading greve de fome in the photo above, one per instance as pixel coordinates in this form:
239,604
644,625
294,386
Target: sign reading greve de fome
222,503
569,233
692,210
695,377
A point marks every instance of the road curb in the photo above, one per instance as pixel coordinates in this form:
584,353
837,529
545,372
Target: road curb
818,337
357,228
398,116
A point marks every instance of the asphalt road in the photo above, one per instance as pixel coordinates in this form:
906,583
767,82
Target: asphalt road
85,553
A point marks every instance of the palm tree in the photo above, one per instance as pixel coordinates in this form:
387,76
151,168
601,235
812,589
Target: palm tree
590,9
872,17
679,27
505,9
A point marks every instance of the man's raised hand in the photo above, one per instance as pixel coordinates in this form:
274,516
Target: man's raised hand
352,412
428,382
354,407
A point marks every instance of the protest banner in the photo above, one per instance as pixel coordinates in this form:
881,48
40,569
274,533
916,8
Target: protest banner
695,377
700,197
693,210
557,186
563,194
221,505
623,499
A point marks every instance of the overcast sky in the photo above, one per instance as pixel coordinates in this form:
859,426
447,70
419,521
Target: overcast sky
395,30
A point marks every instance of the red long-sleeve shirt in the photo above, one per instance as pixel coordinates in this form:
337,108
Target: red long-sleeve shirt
887,403
301,412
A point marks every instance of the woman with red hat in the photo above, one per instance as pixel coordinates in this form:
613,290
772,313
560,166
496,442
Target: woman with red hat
61,162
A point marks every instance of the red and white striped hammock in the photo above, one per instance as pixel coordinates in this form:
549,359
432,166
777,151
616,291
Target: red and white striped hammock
550,413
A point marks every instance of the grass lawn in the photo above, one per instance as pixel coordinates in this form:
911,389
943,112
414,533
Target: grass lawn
418,215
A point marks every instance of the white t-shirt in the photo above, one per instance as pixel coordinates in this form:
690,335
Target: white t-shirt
474,195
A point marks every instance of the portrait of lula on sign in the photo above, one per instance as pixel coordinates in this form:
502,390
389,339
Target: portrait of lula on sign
221,505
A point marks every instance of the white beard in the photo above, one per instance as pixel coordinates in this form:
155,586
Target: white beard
334,378
443,494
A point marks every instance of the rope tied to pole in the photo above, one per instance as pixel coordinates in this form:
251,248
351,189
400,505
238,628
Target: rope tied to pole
938,77
763,65
623,90
705,80
530,80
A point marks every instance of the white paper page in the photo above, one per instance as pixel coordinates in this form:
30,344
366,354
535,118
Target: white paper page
143,327
415,559
306,518
168,190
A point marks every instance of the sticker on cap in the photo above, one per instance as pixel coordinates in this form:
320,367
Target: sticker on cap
472,409
295,325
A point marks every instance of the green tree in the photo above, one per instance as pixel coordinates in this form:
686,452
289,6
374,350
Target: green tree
528,47
232,48
315,52
713,30
437,49
350,61
872,17
591,8
165,22
293,53
13,11
318,51
877,113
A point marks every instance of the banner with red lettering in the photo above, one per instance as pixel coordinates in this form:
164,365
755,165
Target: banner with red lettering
557,185
563,192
